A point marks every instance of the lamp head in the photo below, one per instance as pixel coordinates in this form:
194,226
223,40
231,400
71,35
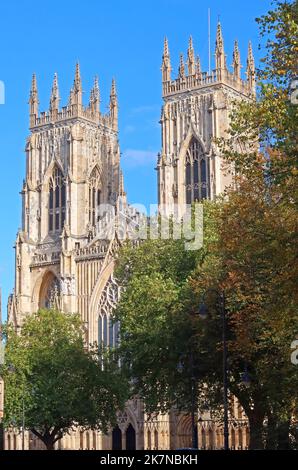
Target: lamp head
203,311
245,378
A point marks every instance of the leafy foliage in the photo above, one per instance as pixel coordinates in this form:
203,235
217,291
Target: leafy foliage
249,254
271,121
60,384
154,315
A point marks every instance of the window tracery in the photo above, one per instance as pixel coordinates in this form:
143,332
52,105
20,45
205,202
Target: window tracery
195,173
57,201
94,196
108,331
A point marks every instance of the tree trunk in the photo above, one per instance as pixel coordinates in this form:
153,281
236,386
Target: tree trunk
271,438
256,431
283,431
50,445
47,438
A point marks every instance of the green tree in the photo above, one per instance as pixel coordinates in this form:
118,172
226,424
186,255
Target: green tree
50,375
253,261
271,121
258,230
249,253
157,317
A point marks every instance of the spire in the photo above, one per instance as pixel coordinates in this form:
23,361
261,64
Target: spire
219,39
77,86
236,61
181,70
121,185
219,52
198,70
96,89
71,97
166,63
190,58
33,85
113,89
250,70
55,98
94,96
91,99
33,101
77,80
166,48
250,58
114,105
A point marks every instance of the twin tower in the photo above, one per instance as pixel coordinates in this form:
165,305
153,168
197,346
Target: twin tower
195,114
73,168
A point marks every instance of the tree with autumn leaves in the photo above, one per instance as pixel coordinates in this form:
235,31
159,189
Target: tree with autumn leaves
249,253
254,262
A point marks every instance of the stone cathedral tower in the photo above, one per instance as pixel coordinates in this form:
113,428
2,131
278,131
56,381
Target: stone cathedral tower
66,247
195,112
72,166
73,200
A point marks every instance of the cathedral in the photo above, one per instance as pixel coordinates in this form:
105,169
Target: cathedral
66,248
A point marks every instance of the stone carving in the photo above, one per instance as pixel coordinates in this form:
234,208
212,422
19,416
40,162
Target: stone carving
52,298
122,417
68,285
53,147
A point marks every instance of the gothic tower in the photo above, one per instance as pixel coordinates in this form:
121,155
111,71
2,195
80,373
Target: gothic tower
195,112
72,166
73,205
65,250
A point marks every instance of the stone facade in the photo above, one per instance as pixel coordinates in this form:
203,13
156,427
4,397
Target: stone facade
66,248
195,112
73,199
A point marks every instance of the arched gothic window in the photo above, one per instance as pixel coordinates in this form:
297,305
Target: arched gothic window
57,201
195,173
203,438
149,439
156,439
49,296
81,440
240,439
211,439
108,331
94,196
233,439
87,440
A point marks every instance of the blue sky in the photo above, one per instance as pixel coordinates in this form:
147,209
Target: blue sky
121,39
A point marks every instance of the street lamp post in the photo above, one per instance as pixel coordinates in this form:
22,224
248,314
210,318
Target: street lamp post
203,311
225,372
23,422
194,439
193,404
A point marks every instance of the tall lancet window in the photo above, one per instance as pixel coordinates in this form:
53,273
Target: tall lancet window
195,173
108,330
57,201
94,196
